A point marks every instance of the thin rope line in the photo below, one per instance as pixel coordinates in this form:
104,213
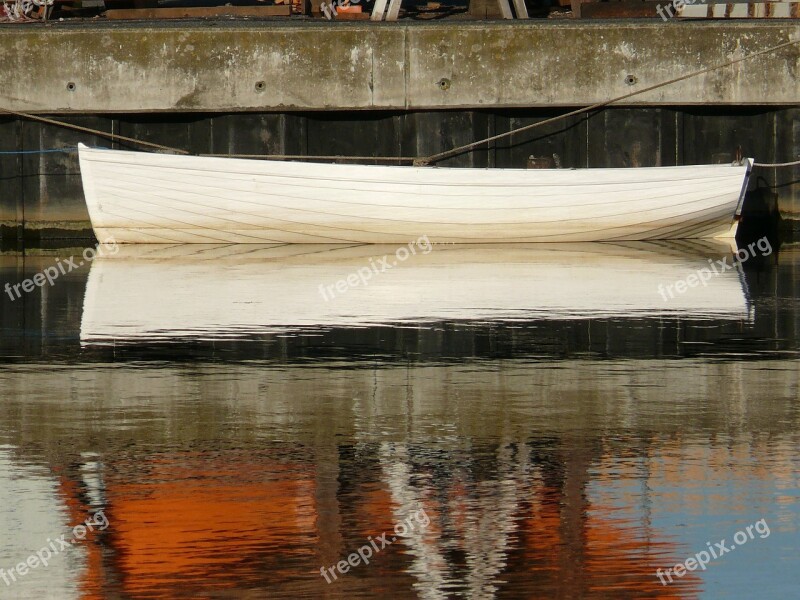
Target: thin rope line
97,132
45,151
319,157
459,149
786,164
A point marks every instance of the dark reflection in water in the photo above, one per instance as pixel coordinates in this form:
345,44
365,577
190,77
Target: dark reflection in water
566,431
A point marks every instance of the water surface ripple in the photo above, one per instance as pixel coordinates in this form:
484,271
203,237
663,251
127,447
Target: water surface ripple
490,422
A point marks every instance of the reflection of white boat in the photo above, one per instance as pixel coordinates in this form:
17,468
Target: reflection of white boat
216,292
137,197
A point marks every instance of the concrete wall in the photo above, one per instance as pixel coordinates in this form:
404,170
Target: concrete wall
272,66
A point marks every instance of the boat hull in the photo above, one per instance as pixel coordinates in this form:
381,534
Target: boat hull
136,197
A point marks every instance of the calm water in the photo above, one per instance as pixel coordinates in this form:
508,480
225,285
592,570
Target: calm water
523,422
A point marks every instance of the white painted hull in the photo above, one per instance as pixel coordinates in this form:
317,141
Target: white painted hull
182,292
136,197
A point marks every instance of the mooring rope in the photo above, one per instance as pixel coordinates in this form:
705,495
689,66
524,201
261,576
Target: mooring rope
97,132
769,165
459,149
70,149
320,157
43,151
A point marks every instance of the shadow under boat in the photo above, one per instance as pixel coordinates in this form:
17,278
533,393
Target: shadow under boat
156,294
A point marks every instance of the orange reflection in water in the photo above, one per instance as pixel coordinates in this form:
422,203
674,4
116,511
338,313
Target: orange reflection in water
186,524
587,551
190,521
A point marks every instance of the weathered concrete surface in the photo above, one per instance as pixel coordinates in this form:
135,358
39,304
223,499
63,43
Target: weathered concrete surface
230,66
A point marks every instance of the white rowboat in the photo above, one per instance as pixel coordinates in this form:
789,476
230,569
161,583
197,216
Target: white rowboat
137,197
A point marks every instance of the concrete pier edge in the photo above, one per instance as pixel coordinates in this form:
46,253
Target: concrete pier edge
222,66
